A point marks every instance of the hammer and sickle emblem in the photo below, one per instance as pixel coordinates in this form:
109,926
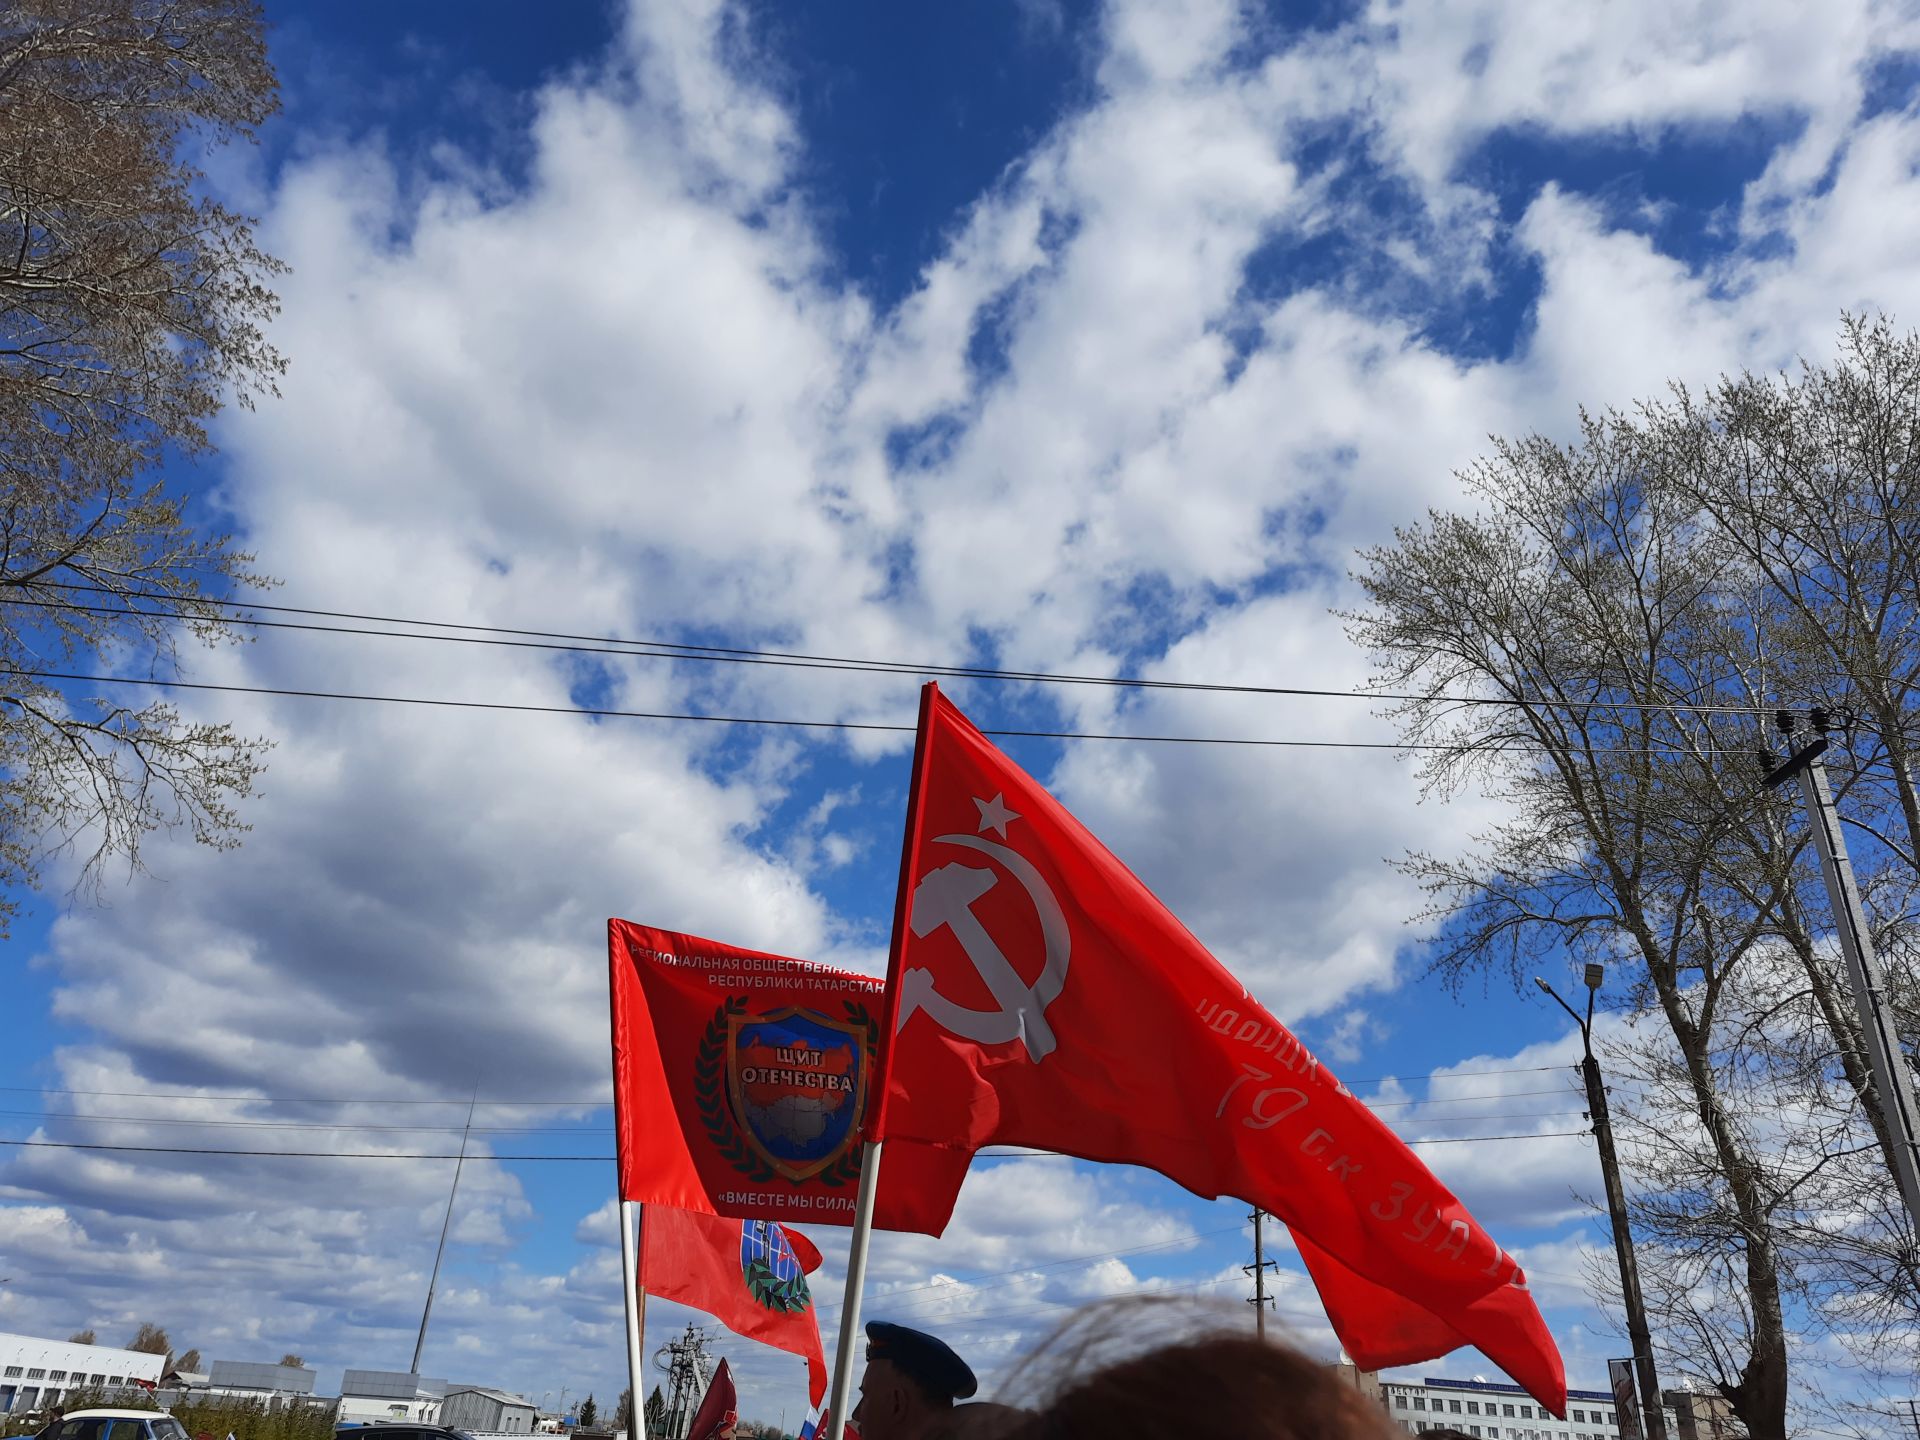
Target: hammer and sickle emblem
944,897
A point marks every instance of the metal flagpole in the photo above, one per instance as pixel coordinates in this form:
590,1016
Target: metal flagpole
459,1165
842,1389
631,1215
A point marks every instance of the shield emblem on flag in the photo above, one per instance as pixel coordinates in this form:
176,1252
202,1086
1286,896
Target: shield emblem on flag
771,1269
798,1083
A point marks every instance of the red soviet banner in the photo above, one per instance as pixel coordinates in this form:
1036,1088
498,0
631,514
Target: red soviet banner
1045,997
743,1083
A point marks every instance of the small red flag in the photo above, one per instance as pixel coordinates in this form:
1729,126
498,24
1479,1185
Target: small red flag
743,1083
750,1275
1045,997
719,1408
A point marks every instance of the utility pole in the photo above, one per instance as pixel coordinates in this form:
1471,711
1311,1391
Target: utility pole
1892,1077
687,1378
1260,1300
1654,1421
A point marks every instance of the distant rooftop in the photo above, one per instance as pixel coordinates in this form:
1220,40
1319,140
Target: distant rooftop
503,1396
1495,1387
391,1385
260,1375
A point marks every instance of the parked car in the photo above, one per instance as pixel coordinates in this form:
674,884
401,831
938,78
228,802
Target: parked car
106,1423
393,1430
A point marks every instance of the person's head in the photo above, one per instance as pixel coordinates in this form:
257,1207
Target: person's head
1221,1383
910,1379
977,1420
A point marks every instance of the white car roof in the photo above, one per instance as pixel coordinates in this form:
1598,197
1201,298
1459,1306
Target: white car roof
107,1412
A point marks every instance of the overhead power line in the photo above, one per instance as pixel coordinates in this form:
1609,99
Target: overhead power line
1043,1270
952,1320
1471,1139
1451,1099
93,1118
291,1099
288,1154
607,1159
1435,1079
650,648
596,713
351,1127
461,1100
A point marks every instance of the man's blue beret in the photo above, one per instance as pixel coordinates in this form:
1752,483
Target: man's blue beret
929,1363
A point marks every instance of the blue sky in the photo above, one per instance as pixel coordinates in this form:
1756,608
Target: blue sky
1063,336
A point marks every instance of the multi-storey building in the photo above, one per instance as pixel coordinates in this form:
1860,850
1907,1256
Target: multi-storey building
37,1373
1497,1411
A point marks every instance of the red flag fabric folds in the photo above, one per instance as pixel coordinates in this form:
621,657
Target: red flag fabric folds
743,1082
1045,997
750,1275
719,1408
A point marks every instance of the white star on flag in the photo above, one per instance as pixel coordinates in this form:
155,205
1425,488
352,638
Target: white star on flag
994,815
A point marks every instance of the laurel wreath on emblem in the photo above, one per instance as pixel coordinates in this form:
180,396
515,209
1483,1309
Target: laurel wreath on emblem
710,1096
786,1296
846,1169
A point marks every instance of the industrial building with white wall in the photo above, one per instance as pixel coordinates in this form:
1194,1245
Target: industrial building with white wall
370,1396
271,1385
36,1373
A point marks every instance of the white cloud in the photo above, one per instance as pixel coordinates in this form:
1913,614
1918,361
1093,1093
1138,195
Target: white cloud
633,398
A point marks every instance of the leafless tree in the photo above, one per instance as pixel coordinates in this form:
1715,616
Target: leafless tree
1620,615
1814,481
151,1339
1811,485
1570,611
131,305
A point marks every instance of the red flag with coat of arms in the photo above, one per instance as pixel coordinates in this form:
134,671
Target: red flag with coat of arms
750,1275
1043,996
742,1083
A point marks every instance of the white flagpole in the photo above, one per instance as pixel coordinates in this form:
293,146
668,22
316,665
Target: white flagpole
630,1214
842,1389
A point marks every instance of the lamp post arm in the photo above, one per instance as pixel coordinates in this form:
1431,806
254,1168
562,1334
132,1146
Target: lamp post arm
1563,1005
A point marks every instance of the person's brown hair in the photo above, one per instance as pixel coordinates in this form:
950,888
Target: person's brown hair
1217,1382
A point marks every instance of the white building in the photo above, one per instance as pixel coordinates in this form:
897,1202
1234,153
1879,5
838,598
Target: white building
370,1396
1501,1412
37,1373
272,1385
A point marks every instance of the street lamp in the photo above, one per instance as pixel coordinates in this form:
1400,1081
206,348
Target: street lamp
1655,1420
